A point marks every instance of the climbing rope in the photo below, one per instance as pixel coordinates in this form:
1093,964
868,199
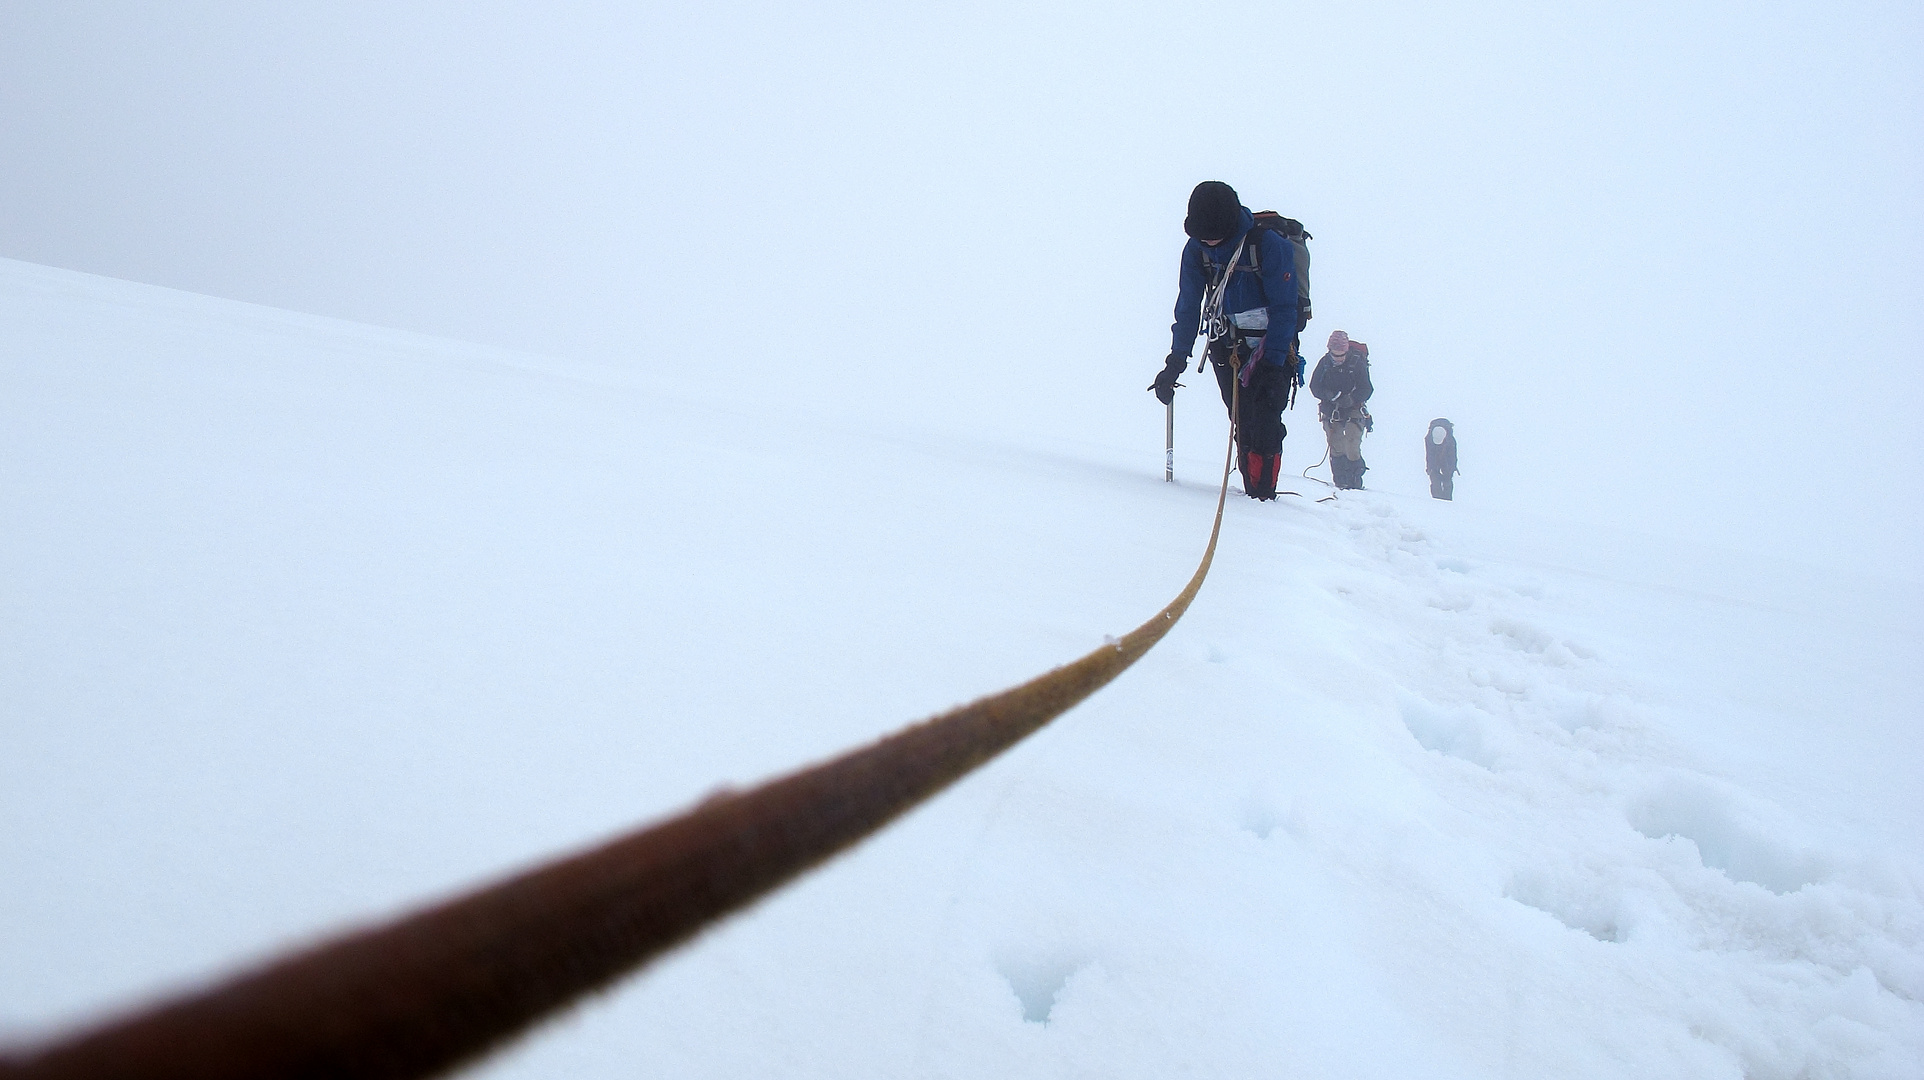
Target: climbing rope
1327,498
1318,465
438,988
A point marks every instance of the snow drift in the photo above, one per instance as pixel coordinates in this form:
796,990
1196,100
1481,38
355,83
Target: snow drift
306,622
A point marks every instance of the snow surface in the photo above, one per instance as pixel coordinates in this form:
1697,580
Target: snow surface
306,622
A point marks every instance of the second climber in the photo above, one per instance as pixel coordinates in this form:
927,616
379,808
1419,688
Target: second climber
1341,383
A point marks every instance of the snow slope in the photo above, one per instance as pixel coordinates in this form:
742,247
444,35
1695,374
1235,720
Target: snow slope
305,622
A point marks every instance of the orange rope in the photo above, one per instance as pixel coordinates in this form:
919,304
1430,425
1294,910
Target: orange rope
438,988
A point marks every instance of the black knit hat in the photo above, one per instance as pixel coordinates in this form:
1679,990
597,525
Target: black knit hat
1215,211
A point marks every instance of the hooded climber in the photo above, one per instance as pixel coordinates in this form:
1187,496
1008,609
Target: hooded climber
1439,458
1236,282
1341,384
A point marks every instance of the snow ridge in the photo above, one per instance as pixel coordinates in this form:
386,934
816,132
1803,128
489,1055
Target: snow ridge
308,621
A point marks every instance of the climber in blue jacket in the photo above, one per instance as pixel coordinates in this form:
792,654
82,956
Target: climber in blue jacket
1260,292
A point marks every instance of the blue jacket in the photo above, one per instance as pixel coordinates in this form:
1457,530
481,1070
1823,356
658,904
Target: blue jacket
1274,288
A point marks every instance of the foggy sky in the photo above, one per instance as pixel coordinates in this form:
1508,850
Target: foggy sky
1659,262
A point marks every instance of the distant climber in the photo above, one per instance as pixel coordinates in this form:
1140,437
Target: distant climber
1236,282
1341,384
1439,458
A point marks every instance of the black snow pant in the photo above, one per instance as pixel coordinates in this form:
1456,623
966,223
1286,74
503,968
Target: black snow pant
1260,428
1259,423
1442,486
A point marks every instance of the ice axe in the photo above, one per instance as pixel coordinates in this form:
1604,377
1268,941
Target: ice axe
1169,441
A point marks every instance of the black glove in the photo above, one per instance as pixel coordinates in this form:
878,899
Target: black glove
1165,385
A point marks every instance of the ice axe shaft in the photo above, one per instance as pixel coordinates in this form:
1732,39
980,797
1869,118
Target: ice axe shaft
1169,441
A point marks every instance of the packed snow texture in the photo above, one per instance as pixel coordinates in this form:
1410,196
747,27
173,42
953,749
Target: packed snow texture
307,622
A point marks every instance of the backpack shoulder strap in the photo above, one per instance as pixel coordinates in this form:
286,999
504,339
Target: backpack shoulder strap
1241,257
1212,270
